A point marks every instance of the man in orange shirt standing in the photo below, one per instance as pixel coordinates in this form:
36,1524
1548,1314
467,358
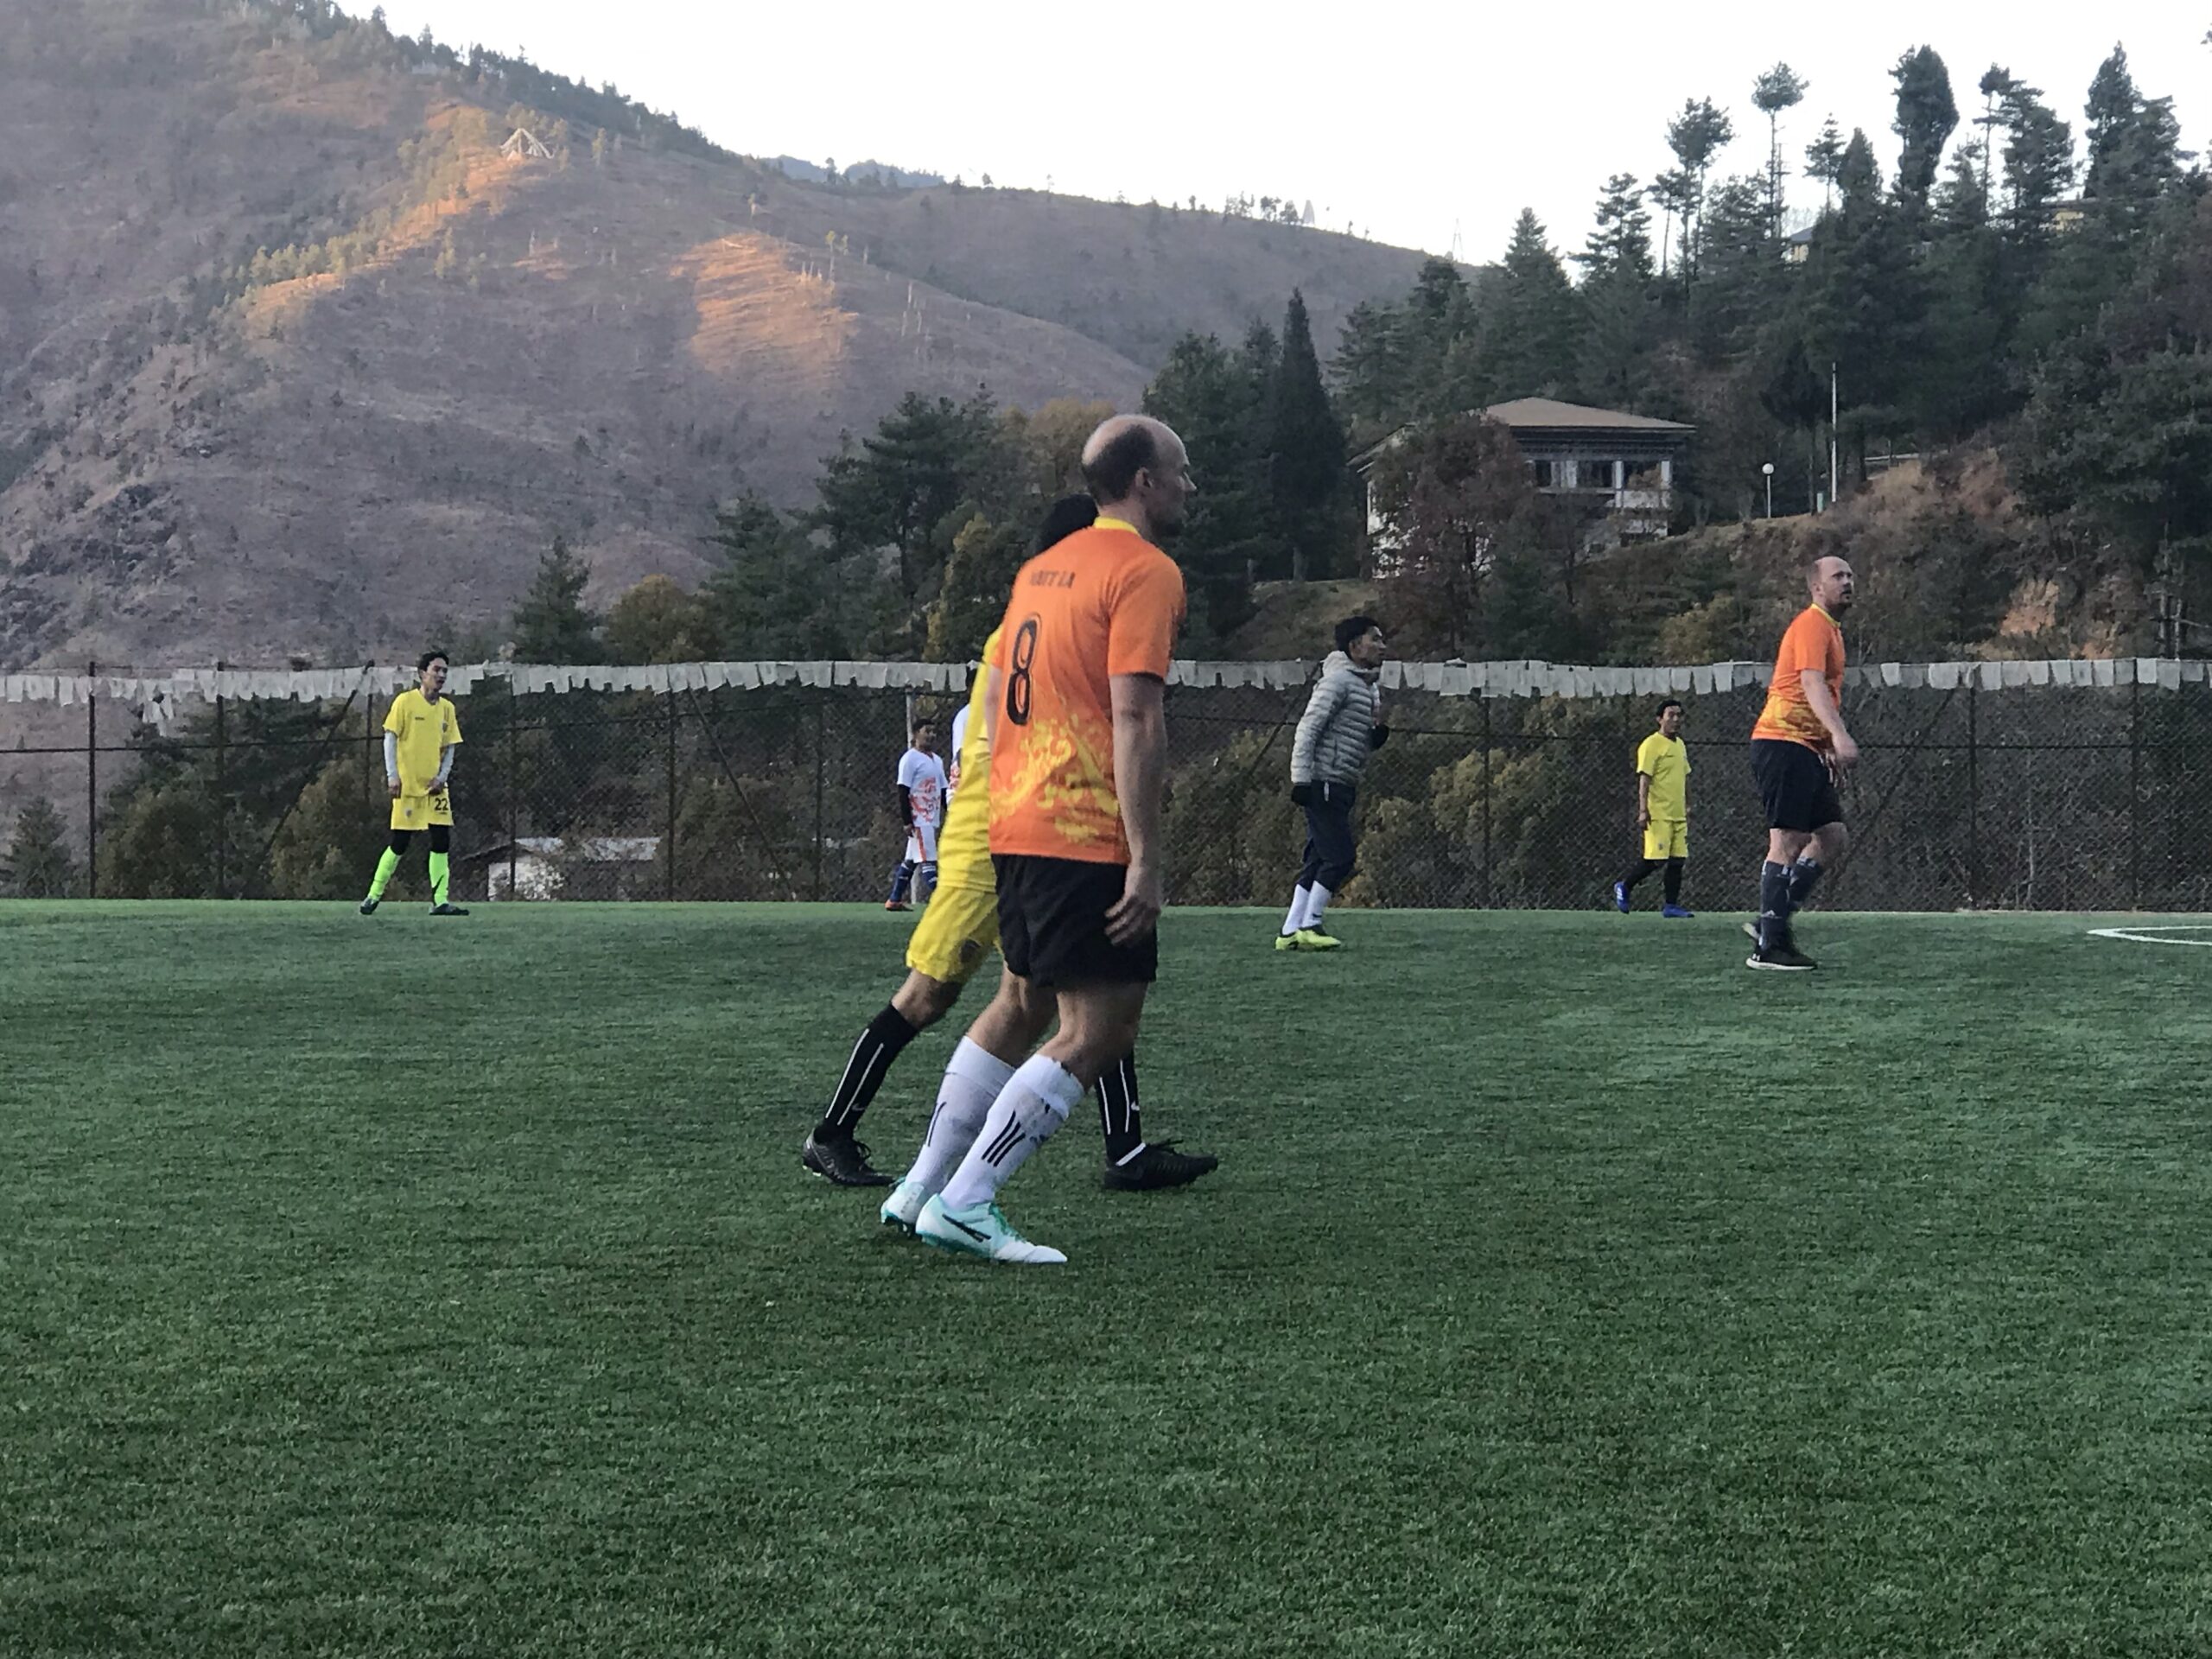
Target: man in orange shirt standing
1077,766
1799,748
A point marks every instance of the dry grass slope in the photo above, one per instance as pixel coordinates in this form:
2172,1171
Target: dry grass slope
383,435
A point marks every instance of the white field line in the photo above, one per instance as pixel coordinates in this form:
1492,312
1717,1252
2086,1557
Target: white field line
2157,935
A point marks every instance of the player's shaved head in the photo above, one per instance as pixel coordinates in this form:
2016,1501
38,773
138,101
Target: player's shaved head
1832,583
1137,470
1118,450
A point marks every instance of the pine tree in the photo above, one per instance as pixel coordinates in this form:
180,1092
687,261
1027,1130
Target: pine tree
1306,450
1697,136
772,596
900,485
39,864
1371,369
1211,396
1866,309
551,625
1530,332
2133,142
1779,89
1927,115
1611,366
1824,160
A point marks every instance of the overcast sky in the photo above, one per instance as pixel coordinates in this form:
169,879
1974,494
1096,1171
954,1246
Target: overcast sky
1413,123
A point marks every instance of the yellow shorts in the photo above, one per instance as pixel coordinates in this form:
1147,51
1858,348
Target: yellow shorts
957,933
420,811
1666,838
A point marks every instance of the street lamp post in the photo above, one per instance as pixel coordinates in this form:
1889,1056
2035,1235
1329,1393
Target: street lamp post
1767,468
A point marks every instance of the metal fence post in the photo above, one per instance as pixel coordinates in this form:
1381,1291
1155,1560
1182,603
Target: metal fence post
222,802
2134,794
1974,795
668,871
91,789
1490,896
820,762
514,790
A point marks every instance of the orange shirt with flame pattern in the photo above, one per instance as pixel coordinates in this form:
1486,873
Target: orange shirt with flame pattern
1102,602
1815,641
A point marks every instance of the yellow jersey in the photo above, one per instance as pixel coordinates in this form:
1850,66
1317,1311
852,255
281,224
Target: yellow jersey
425,731
964,845
1666,761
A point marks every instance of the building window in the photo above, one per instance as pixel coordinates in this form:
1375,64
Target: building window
1592,474
1546,470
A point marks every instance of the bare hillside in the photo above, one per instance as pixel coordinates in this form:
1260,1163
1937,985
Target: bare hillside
294,359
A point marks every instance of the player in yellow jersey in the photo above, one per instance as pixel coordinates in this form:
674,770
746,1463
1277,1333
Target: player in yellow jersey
1662,811
420,734
954,938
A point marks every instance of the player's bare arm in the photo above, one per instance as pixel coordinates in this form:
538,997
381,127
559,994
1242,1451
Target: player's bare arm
1819,699
1139,775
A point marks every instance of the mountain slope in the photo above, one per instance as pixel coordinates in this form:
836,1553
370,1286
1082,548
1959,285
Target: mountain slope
294,359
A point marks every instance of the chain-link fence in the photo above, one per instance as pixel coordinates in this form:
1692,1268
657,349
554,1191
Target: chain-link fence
2032,796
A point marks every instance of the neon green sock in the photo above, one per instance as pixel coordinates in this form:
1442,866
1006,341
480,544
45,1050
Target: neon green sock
385,866
438,877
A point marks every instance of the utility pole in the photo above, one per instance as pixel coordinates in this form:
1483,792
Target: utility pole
1832,407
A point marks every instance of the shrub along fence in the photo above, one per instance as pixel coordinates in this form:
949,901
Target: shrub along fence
2046,786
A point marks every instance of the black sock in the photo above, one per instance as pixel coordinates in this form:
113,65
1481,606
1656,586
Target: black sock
1804,876
1675,881
1638,871
880,1044
1773,906
1119,1116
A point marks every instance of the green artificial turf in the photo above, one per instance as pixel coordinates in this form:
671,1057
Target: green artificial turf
403,1288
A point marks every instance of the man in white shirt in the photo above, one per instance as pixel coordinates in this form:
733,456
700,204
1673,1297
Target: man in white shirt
922,790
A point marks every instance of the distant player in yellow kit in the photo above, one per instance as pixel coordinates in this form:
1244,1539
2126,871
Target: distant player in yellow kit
420,734
1663,811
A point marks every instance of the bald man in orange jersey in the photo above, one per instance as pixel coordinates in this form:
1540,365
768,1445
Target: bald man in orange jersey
1078,767
1800,746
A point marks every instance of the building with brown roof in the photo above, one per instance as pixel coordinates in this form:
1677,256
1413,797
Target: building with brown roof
1619,466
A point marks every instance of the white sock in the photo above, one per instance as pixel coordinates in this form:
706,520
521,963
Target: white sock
1034,1102
1296,919
1316,902
973,1078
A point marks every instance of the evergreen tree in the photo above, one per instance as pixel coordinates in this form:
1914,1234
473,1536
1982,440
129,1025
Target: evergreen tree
1824,160
1530,334
1612,364
900,486
1779,89
2134,144
2038,161
772,596
1371,369
1968,316
1212,397
39,864
2133,161
552,623
1866,307
1996,84
1305,454
1927,114
1696,135
1743,273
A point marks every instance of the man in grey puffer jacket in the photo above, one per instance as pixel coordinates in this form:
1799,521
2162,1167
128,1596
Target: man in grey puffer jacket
1342,724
